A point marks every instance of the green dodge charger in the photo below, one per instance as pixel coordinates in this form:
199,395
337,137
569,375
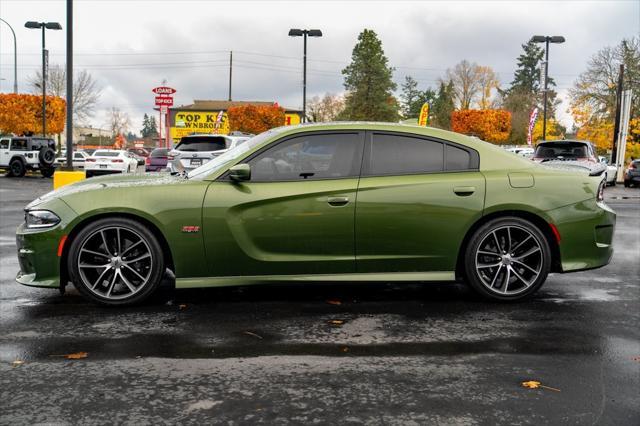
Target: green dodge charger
328,202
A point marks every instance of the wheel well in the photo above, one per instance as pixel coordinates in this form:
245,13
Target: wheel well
18,157
166,251
531,217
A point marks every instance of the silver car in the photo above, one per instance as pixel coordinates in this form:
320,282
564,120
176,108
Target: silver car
195,150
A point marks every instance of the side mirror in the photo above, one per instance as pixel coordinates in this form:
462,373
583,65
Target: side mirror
240,172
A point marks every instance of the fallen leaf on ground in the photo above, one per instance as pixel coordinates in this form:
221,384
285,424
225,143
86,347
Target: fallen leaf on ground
336,322
533,384
334,302
182,307
345,349
77,355
17,363
253,334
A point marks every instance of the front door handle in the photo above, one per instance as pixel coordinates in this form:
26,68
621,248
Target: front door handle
338,201
464,191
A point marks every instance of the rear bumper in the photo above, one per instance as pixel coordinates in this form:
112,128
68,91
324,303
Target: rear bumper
586,234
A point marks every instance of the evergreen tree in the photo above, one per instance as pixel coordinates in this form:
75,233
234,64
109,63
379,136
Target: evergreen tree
443,106
368,82
412,98
149,127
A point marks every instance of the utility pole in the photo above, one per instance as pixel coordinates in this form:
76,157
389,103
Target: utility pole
616,124
230,71
15,58
70,84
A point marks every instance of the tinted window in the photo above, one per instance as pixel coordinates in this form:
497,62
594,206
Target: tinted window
329,156
202,143
457,158
78,156
4,144
561,150
395,154
159,152
19,145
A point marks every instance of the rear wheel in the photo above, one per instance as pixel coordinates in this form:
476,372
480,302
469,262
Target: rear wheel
507,259
116,261
47,172
17,168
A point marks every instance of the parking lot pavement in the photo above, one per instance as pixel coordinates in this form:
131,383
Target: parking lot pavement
376,354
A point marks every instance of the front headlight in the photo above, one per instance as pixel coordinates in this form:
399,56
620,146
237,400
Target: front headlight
40,219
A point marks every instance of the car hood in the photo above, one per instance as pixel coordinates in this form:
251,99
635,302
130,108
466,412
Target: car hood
110,181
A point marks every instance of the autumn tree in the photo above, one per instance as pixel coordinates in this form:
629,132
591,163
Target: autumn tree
86,92
118,122
255,118
490,125
488,82
22,114
412,98
326,108
368,81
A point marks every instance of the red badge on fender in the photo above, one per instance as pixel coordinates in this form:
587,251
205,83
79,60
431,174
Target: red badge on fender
190,228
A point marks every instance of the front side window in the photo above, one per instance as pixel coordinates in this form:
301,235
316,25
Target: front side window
4,144
313,156
397,155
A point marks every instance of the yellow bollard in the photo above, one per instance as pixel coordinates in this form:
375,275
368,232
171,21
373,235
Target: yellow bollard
62,178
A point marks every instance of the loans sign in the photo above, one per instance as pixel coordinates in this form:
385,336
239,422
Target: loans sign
163,90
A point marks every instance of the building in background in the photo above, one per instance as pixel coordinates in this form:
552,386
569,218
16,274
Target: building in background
203,117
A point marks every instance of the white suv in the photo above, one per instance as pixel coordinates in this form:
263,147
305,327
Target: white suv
195,150
21,153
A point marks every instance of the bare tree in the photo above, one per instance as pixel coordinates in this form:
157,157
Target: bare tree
466,83
488,81
118,122
326,108
86,92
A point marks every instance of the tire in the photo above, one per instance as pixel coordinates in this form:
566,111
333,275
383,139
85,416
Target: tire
46,156
88,174
17,168
517,272
47,172
118,279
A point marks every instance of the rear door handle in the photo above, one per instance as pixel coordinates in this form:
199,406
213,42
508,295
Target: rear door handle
338,201
464,191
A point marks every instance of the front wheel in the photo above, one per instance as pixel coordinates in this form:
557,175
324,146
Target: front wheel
17,168
115,261
507,259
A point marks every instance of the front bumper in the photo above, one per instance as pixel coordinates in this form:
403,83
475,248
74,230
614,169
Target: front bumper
586,234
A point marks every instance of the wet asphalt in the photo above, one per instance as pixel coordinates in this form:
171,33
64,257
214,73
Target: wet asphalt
325,354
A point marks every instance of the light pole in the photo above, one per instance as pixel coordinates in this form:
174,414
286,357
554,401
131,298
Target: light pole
44,26
15,58
294,32
546,40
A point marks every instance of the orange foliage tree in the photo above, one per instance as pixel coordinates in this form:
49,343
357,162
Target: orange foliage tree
491,125
22,114
255,118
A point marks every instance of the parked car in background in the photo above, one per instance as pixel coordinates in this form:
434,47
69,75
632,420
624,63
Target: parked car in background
78,159
612,171
632,174
524,151
157,160
565,150
323,202
141,152
195,150
107,161
20,153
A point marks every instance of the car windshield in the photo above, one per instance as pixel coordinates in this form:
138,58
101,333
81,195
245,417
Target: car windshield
561,150
159,152
230,156
106,154
202,143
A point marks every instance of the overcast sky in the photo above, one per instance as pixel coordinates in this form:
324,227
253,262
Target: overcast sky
131,46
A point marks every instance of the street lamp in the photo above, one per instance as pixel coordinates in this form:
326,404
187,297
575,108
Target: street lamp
546,40
44,26
294,32
15,58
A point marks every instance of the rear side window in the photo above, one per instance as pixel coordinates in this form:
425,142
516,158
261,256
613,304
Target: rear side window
457,158
202,143
19,145
396,155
